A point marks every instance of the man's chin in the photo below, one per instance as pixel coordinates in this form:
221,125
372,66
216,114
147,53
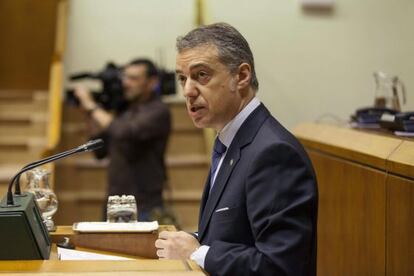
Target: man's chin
198,123
129,98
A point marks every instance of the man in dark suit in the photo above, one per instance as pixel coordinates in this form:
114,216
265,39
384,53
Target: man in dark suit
259,206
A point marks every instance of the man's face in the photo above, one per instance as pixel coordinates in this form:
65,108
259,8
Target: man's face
135,81
209,88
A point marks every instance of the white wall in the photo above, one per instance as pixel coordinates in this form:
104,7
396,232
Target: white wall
307,64
120,30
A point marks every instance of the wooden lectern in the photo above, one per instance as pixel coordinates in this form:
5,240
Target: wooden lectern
139,246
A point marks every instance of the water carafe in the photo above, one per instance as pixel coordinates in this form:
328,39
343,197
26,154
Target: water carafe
388,90
38,184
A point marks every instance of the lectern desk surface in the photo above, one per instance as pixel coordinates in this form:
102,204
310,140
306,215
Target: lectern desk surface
140,266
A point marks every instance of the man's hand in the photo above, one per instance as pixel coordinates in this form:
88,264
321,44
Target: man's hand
102,117
175,245
85,98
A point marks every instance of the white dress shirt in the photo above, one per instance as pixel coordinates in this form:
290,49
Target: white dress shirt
226,136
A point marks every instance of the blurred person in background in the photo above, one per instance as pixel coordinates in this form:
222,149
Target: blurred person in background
135,139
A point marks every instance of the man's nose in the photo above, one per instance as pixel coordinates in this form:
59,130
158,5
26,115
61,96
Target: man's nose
190,89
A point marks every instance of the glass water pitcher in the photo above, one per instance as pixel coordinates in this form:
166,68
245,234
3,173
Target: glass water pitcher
388,90
38,184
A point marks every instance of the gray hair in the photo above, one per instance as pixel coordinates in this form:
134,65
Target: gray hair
232,47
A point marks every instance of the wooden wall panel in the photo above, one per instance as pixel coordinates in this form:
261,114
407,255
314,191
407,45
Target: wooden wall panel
400,226
351,219
27,29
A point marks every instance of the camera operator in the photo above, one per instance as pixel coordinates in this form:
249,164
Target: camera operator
135,139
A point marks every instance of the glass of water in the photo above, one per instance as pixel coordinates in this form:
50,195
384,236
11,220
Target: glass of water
121,209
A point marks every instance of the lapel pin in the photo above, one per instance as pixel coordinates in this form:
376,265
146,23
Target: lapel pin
231,162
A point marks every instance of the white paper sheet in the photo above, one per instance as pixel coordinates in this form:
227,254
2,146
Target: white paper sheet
404,133
70,254
101,227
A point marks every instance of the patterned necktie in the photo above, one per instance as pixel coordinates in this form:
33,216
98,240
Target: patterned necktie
218,151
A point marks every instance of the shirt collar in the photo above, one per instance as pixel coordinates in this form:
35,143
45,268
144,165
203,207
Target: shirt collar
227,134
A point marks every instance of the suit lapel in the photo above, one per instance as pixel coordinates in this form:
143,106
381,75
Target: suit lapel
229,162
244,136
204,200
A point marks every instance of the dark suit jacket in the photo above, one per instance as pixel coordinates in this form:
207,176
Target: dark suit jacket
268,185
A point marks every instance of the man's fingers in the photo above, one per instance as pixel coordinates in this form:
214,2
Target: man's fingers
160,243
164,235
161,253
175,245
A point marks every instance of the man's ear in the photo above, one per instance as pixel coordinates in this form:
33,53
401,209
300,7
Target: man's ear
244,75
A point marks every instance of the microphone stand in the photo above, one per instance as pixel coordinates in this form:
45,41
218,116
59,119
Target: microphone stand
91,145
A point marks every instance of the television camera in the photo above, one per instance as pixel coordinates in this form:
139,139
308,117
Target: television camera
111,97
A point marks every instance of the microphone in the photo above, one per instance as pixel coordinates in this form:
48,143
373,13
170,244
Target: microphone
92,145
21,220
89,146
